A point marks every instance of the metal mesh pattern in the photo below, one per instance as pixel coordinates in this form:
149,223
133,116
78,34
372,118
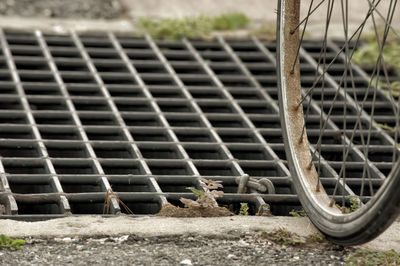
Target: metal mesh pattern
82,114
377,160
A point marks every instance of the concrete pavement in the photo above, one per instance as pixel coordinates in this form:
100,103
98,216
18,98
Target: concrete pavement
146,226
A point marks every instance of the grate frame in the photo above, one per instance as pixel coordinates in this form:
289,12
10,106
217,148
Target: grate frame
83,114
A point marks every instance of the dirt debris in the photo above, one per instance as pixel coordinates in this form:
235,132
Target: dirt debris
169,210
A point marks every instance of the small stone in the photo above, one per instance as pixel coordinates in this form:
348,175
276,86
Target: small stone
121,239
232,256
186,262
243,243
100,240
67,239
296,257
59,29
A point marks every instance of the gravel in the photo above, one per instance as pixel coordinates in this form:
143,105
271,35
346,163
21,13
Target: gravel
249,249
87,9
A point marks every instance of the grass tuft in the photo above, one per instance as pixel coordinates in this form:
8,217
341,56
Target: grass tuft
281,236
354,205
191,27
316,238
266,32
365,257
244,209
230,21
300,213
368,53
10,243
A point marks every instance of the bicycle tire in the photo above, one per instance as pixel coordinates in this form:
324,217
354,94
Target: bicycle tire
353,228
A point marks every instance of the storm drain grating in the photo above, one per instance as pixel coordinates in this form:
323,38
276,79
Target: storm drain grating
82,114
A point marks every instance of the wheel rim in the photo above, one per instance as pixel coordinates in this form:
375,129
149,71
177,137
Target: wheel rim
292,118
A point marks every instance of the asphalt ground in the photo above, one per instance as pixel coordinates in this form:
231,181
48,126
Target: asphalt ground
236,240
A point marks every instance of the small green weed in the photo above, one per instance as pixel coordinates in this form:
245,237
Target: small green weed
206,196
244,209
283,237
316,238
265,32
174,29
191,27
367,54
384,126
300,213
391,88
10,243
364,257
230,21
354,205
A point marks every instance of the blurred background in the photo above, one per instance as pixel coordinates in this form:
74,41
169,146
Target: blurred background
87,9
125,14
260,10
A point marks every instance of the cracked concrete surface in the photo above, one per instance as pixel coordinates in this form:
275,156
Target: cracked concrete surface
146,226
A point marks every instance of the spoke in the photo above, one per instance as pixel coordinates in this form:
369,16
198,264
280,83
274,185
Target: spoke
396,108
345,19
324,48
358,122
306,18
388,24
396,132
366,168
358,31
378,65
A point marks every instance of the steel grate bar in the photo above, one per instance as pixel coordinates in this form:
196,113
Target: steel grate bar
266,54
169,150
53,184
259,201
230,163
366,119
99,79
81,115
114,206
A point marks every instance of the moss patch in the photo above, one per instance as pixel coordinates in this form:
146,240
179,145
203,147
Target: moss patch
169,210
364,257
191,27
282,236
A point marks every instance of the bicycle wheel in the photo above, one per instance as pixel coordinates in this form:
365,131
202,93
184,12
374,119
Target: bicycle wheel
341,144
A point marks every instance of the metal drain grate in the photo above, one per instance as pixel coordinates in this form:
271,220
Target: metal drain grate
80,114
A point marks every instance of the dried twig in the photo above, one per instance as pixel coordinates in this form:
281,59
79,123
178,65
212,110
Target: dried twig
110,194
